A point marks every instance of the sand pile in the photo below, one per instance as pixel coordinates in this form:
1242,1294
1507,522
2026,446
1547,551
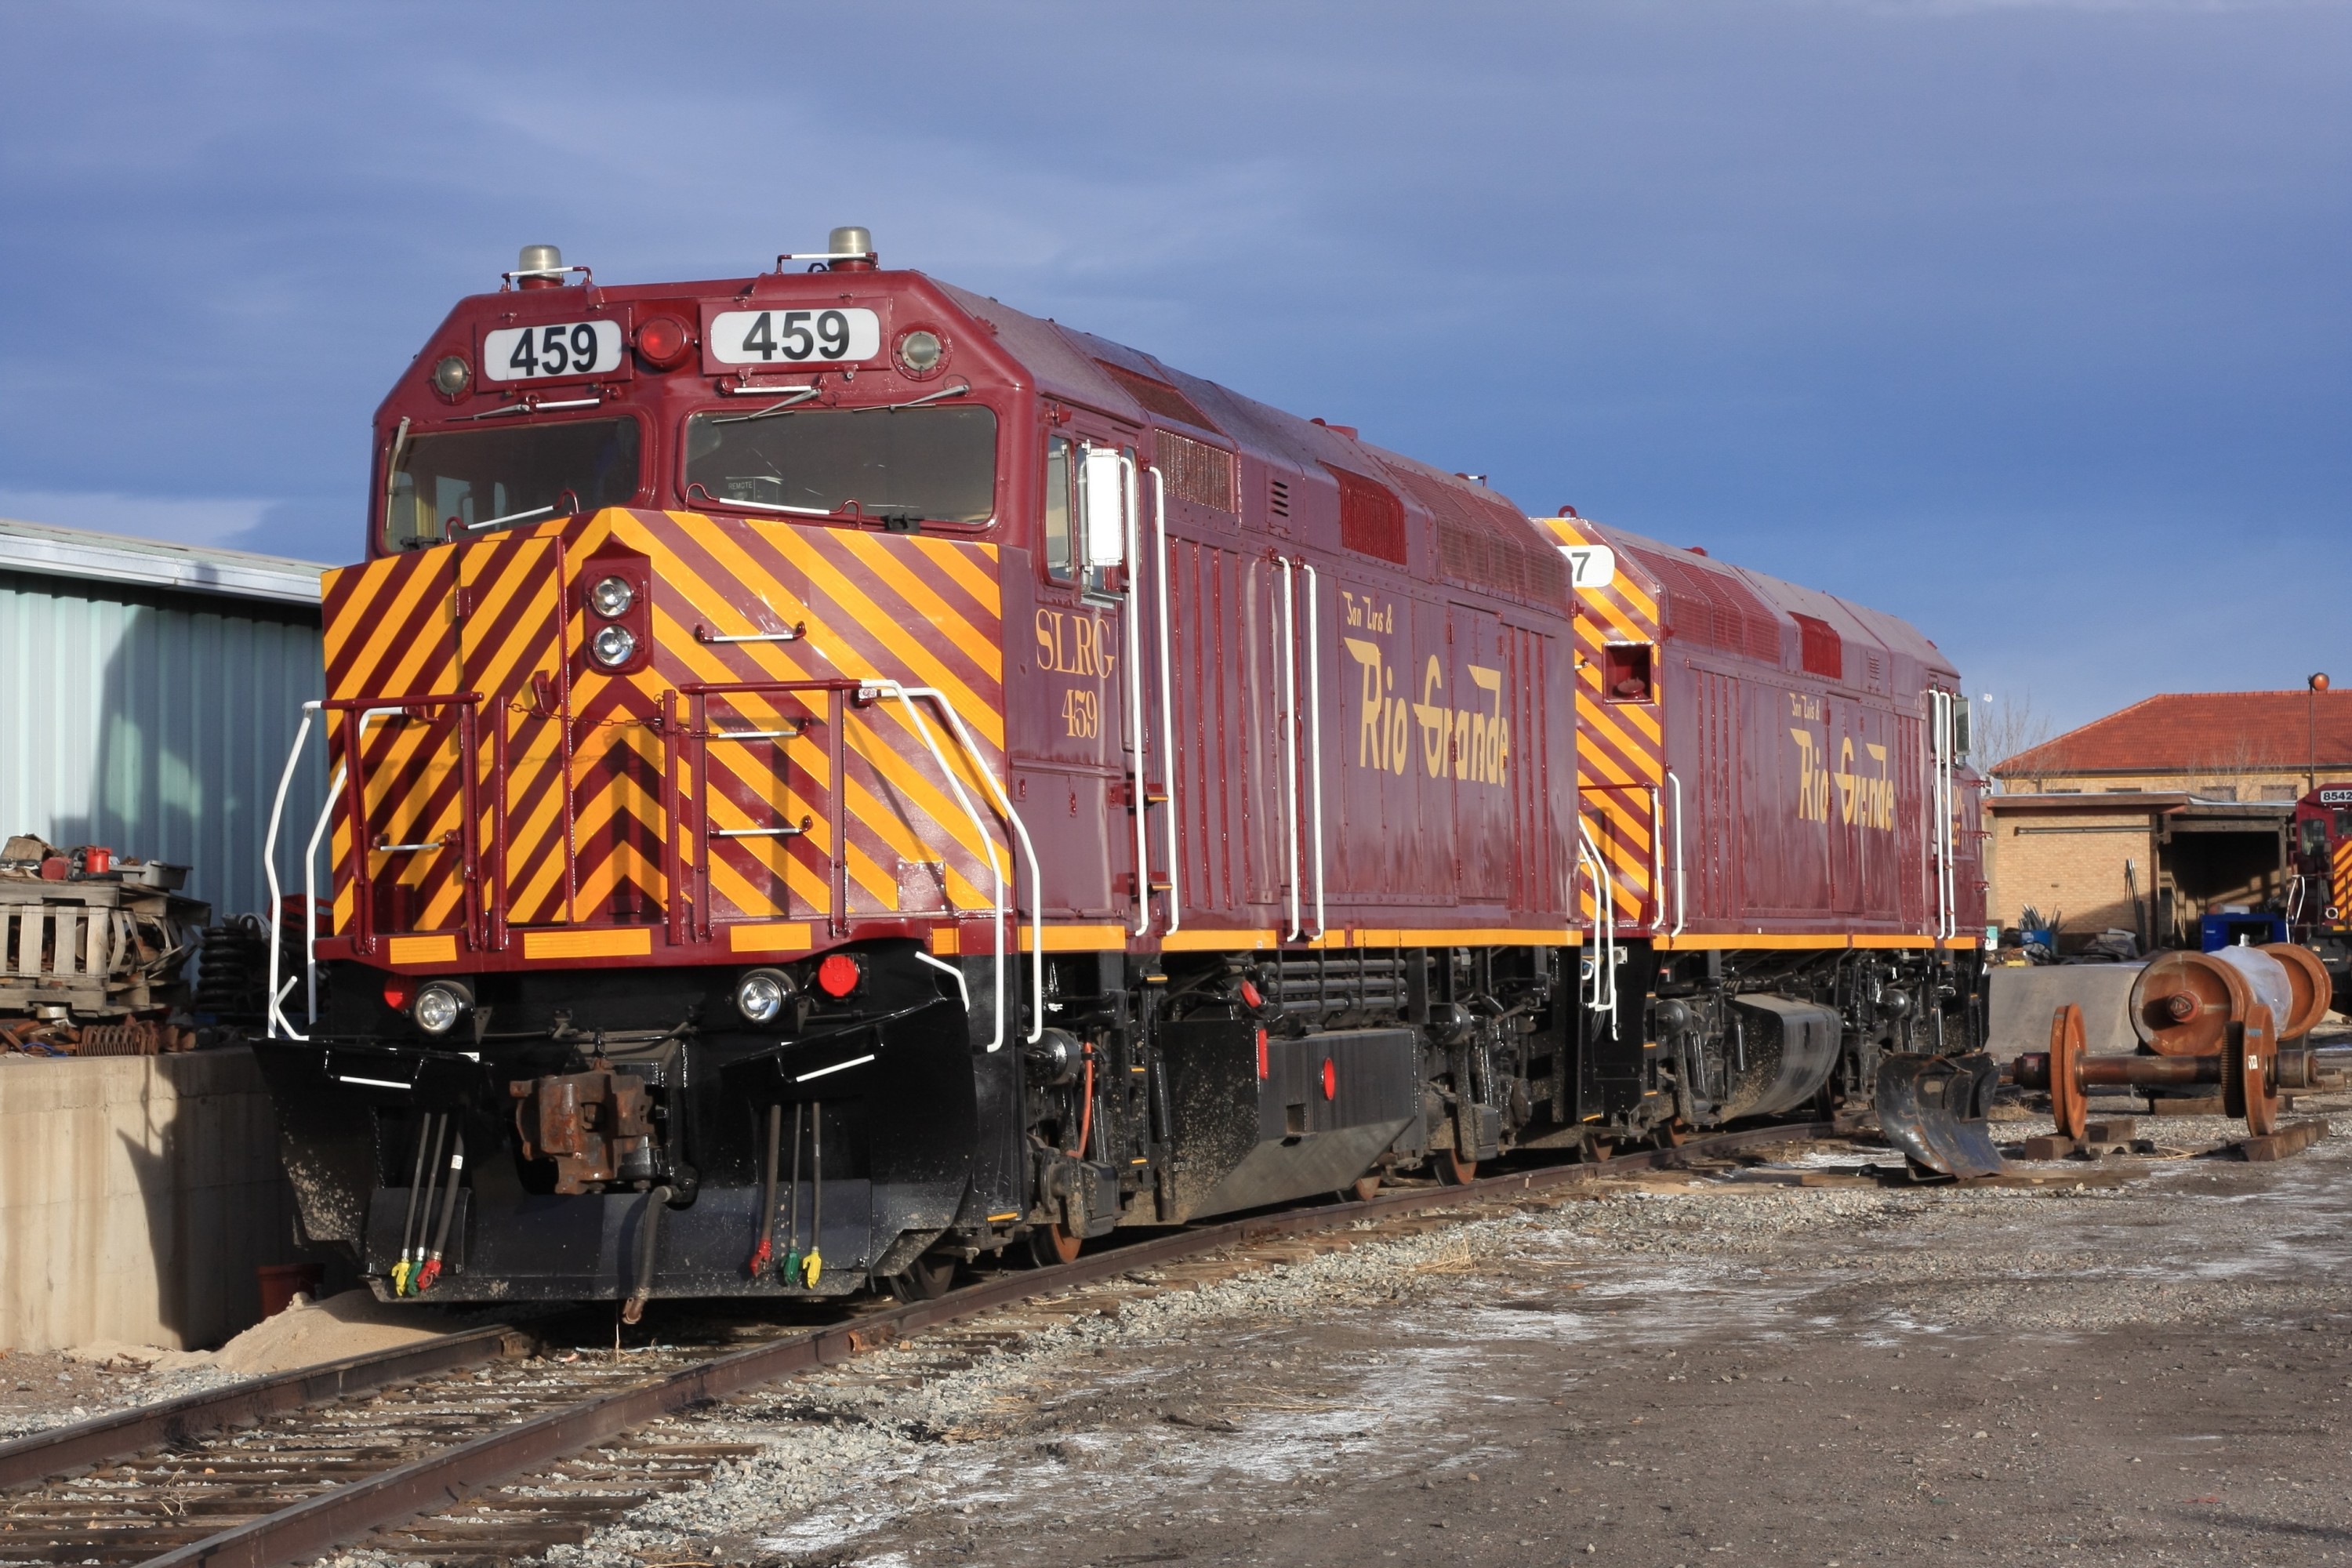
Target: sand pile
309,1334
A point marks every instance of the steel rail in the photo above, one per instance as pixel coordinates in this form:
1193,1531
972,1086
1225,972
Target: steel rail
64,1450
334,1518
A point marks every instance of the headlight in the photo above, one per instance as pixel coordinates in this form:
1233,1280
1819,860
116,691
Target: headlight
760,996
613,645
919,351
612,597
452,375
440,1005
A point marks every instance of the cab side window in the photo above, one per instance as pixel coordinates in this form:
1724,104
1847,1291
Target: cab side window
1061,551
1625,672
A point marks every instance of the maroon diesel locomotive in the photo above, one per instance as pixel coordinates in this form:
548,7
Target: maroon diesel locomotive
834,777
1784,832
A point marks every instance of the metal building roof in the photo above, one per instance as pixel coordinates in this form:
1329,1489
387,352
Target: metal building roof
149,563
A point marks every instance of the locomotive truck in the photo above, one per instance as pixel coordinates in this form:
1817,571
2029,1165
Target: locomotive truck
833,777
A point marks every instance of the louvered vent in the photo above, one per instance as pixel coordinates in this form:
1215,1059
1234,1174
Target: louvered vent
1158,396
1482,542
1277,498
1825,650
1372,519
1196,471
1713,609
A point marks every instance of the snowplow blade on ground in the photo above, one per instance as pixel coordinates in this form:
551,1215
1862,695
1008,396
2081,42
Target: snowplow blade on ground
1933,1109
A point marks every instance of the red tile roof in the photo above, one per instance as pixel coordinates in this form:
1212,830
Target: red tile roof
2200,731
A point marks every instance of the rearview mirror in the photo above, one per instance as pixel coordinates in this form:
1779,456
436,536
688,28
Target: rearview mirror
1103,498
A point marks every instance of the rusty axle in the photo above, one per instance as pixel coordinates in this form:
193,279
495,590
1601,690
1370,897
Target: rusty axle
2298,1067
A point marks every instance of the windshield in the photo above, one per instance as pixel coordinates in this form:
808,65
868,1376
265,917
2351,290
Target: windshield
935,465
468,482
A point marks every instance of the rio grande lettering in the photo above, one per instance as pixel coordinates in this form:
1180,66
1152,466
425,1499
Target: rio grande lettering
1862,800
1471,745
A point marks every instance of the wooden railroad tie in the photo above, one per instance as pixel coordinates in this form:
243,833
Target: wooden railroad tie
2292,1139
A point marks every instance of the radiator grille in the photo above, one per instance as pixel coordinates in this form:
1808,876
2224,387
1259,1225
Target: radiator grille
1196,471
1372,519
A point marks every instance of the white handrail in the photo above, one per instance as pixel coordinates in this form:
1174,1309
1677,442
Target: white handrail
275,1017
1941,709
1029,849
906,696
1682,905
1602,995
310,899
1132,619
1657,859
1290,823
1315,736
1167,768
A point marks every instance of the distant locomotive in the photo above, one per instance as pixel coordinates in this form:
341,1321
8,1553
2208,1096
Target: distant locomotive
2319,889
1775,791
834,777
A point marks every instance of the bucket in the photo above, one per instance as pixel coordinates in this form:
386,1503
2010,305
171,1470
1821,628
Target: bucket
280,1281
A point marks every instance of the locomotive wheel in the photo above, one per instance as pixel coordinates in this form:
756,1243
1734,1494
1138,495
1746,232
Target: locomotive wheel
1453,1171
2068,1105
1050,1244
926,1280
2248,1067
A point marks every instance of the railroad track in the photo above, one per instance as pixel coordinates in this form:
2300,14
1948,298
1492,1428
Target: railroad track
542,1449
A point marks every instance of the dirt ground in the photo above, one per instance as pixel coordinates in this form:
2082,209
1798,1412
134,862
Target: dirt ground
1657,1374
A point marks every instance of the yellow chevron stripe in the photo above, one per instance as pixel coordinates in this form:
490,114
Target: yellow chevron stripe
1605,718
956,560
354,618
1624,626
983,717
419,650
888,565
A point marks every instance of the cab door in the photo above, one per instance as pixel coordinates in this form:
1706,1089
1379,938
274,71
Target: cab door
1076,765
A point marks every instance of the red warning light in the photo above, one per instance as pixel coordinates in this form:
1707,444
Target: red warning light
1330,1080
663,340
399,991
838,976
1251,996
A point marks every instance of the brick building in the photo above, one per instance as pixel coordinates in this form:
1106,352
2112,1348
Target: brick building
2211,745
2173,808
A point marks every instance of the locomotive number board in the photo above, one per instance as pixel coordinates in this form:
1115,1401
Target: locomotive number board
1590,565
560,348
793,337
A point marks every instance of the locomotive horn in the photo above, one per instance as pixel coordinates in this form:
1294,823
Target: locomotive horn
1933,1109
852,250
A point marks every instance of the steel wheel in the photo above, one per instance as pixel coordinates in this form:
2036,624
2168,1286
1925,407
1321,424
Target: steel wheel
1050,1244
1453,1171
926,1279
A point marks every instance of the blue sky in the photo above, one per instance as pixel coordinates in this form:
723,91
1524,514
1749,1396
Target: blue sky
2026,322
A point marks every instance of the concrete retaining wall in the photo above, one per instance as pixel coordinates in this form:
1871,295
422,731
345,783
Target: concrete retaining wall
2021,1002
137,1196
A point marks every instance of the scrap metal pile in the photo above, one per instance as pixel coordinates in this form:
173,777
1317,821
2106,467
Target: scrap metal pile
91,950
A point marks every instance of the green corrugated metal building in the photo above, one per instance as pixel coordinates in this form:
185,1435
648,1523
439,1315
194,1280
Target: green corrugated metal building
148,693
